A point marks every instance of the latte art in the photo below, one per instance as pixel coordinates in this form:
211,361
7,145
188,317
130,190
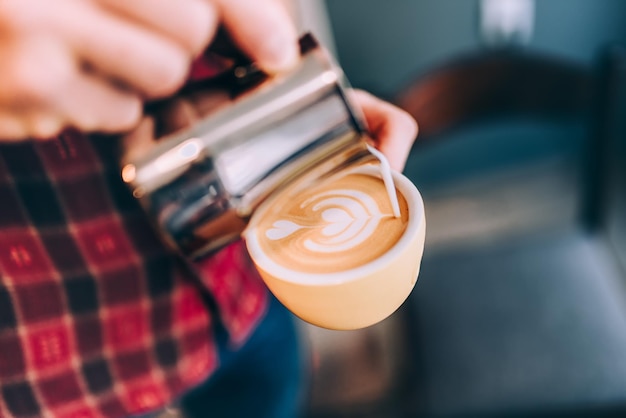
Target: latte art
347,219
334,226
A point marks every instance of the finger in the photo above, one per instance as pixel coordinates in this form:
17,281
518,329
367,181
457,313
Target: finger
32,70
42,74
140,58
192,23
21,125
30,74
264,30
393,129
92,104
12,128
46,125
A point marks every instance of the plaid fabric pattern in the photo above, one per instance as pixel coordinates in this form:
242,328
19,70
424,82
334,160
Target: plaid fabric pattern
97,318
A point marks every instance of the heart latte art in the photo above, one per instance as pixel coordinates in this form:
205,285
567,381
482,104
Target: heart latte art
334,226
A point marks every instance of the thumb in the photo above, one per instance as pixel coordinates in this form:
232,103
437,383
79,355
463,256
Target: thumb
263,30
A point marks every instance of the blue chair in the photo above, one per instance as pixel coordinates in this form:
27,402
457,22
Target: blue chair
520,309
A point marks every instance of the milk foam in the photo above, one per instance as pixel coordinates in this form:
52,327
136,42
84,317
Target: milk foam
335,225
347,219
276,256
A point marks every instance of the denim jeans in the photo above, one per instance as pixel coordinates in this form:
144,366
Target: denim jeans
265,378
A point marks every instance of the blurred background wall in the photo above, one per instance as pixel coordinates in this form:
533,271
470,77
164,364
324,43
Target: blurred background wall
382,44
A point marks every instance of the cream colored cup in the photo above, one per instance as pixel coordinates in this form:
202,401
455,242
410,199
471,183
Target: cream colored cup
354,298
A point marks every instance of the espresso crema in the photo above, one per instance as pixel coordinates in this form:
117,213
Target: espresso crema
337,225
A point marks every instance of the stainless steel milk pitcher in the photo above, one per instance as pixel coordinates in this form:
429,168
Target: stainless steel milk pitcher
201,183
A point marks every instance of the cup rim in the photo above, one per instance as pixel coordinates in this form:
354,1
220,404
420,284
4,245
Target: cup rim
415,223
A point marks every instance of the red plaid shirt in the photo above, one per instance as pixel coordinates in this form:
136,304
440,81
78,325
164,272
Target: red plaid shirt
97,319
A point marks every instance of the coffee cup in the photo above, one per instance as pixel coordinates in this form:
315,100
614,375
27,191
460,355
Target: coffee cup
334,252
